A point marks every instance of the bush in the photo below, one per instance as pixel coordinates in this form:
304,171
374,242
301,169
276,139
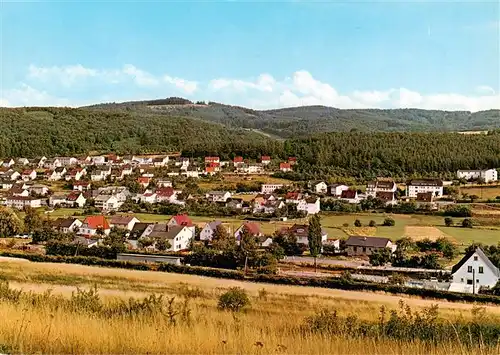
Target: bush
372,223
389,222
357,223
234,300
467,223
448,222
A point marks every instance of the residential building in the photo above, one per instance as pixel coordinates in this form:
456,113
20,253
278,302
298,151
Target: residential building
425,185
82,185
183,220
20,202
160,161
67,161
238,161
57,200
293,197
23,161
218,196
100,174
148,196
336,189
350,196
292,160
67,225
265,159
380,185
38,189
98,160
252,227
300,231
320,187
183,163
166,194
28,175
164,183
123,222
473,272
144,181
52,164
209,160
8,163
208,230
310,205
364,246
75,174
388,197
76,198
265,241
107,202
285,167
487,175
270,188
190,172
92,224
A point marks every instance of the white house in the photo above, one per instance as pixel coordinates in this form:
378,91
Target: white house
23,161
8,163
300,231
380,185
208,230
99,160
21,202
67,225
488,175
57,174
336,189
320,187
309,205
164,183
107,202
100,174
474,271
350,196
28,175
123,222
218,196
76,198
52,163
39,189
270,188
425,185
55,200
148,196
67,161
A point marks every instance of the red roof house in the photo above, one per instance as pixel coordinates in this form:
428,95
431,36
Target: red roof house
285,167
181,220
92,224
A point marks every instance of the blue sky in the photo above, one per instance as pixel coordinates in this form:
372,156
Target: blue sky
345,54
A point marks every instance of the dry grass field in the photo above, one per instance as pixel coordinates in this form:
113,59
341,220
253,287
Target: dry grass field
274,323
422,232
483,191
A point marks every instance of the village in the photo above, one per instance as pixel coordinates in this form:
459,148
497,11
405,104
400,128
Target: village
110,192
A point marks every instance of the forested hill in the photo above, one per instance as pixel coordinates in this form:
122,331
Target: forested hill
302,121
35,131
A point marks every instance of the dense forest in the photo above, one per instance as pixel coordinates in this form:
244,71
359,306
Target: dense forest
36,131
302,121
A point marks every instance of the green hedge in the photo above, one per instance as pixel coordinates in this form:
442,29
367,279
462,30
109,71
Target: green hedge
334,283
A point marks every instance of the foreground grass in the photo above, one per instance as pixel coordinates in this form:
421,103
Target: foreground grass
278,320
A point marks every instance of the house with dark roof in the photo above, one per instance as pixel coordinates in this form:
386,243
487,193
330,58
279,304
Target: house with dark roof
364,246
336,189
416,186
387,197
123,222
179,236
67,225
300,231
381,184
183,220
350,196
473,272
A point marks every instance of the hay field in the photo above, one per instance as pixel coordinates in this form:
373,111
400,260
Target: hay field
273,324
421,232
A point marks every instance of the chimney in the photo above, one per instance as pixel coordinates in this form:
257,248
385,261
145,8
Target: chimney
364,238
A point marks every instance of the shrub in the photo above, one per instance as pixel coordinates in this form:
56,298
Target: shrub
467,223
389,222
234,300
372,223
448,221
357,223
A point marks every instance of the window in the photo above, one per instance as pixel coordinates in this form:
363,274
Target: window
469,268
469,282
477,281
462,279
475,257
481,270
364,250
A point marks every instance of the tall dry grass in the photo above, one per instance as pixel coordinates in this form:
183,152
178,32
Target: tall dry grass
280,319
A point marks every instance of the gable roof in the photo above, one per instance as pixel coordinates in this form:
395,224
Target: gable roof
425,196
385,195
253,228
165,191
376,242
63,222
96,222
482,255
426,182
183,220
73,196
213,225
121,220
349,194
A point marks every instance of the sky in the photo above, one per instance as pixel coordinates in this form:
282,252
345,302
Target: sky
352,54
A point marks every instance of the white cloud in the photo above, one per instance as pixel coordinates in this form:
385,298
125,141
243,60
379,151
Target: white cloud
303,89
25,95
73,75
187,86
486,90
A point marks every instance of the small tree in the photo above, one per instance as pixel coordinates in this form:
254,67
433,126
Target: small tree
314,238
162,244
234,300
467,223
357,223
380,257
32,220
389,222
448,221
10,223
145,242
372,223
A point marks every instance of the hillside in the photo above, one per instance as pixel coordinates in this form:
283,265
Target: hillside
37,131
301,121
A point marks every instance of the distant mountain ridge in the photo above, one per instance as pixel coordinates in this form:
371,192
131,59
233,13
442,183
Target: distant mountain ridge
304,120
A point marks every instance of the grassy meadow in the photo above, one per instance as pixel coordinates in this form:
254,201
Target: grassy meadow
183,318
